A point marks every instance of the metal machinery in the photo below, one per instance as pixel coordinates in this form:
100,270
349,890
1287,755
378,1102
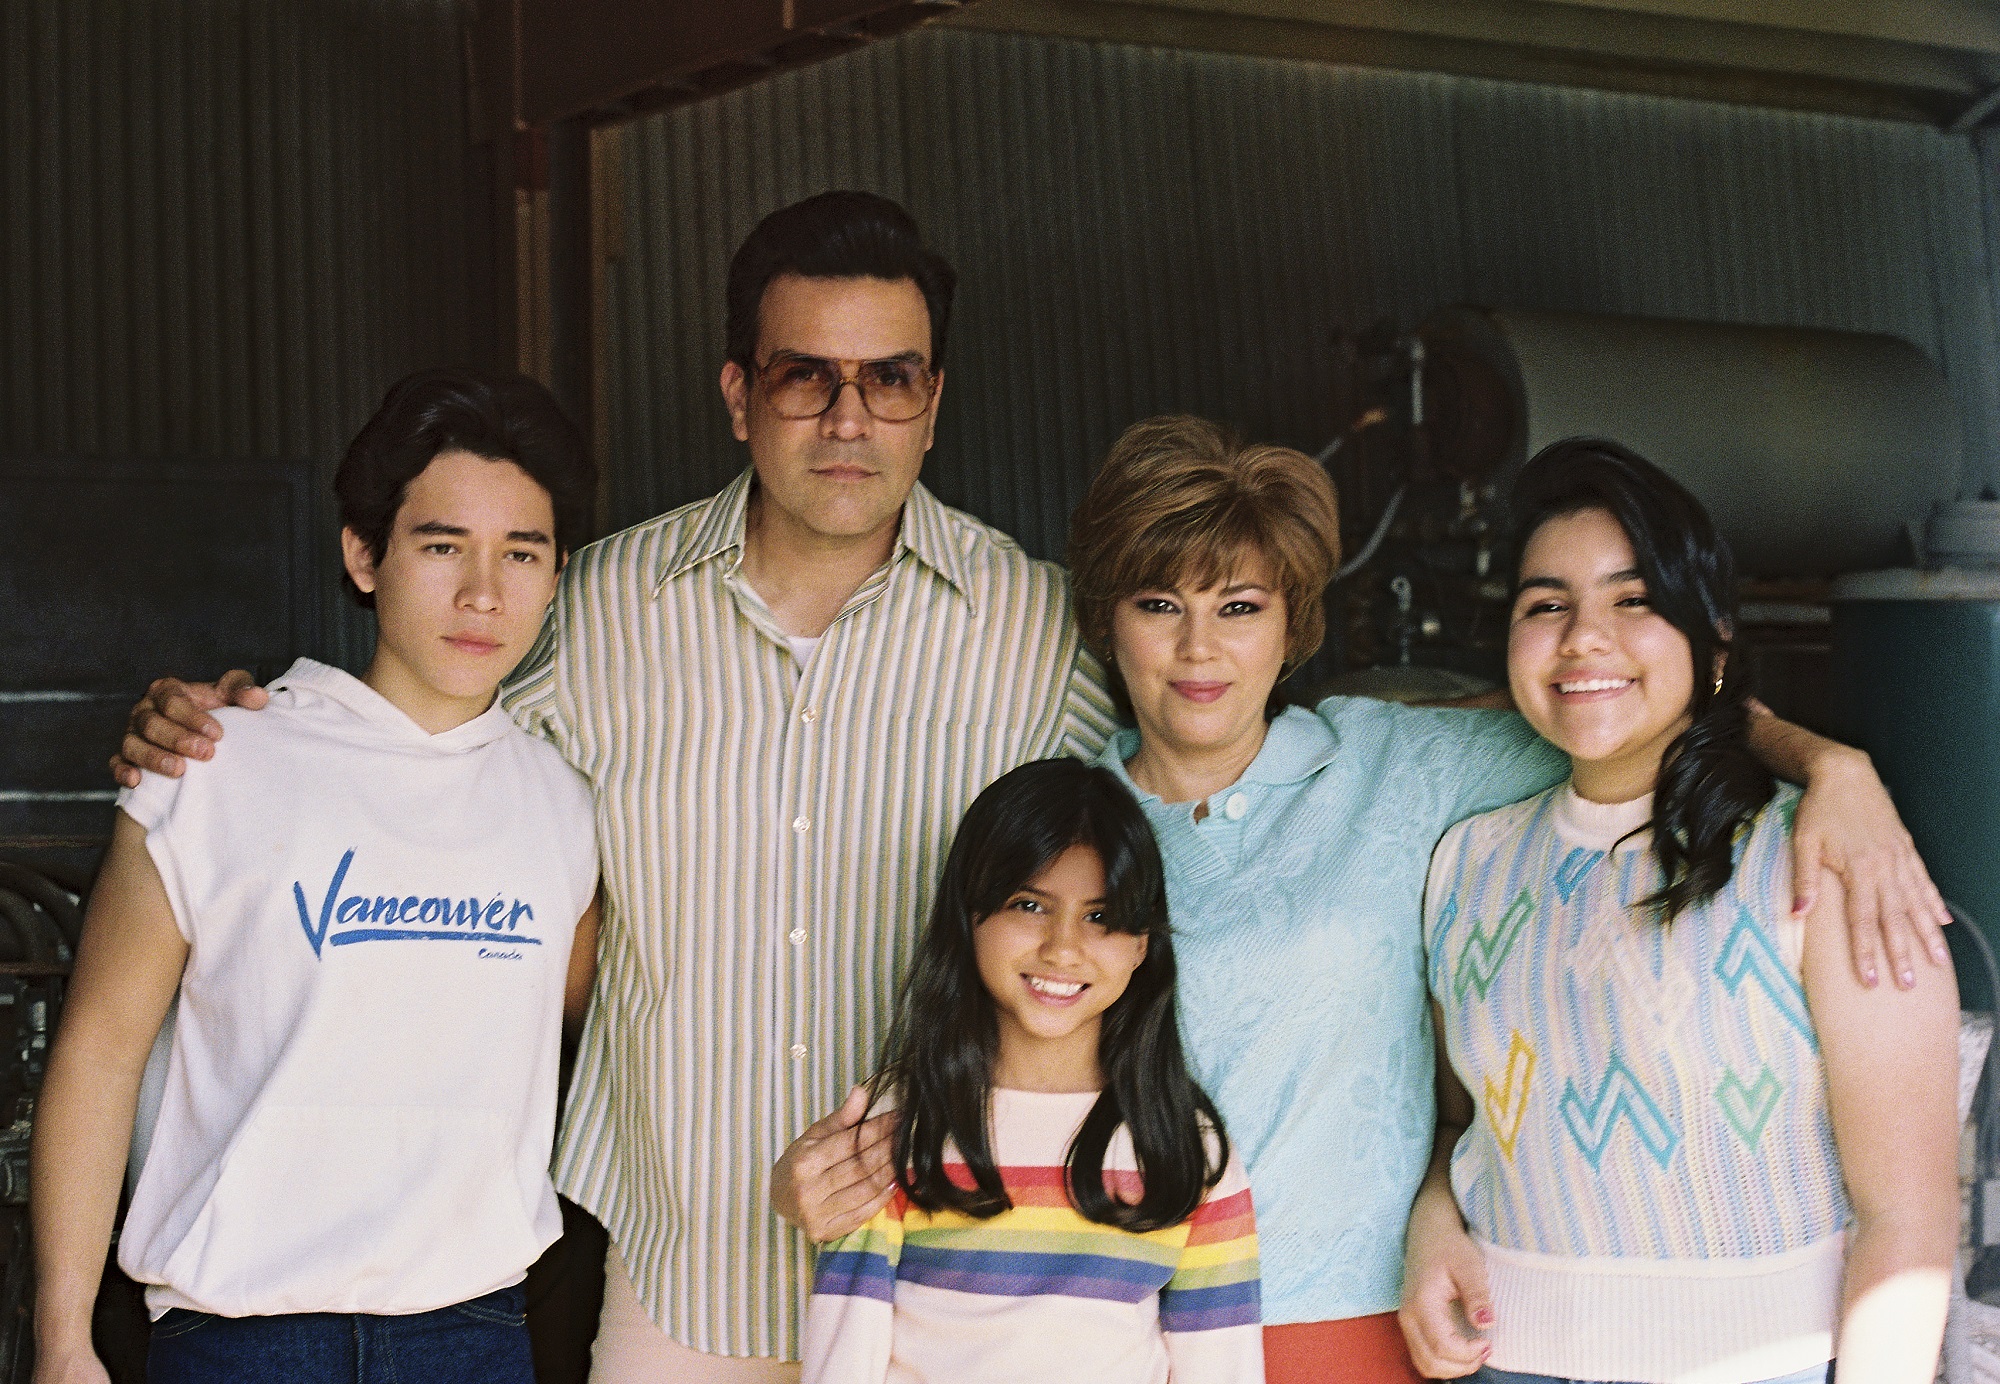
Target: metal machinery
1811,448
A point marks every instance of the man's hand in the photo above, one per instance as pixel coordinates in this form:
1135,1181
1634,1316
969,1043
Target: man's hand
171,725
1847,823
837,1174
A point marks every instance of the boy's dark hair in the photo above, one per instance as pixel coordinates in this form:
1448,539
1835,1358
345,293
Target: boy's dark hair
938,1061
835,235
498,416
1710,784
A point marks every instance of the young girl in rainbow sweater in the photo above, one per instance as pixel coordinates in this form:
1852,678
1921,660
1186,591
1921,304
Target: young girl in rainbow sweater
1701,1150
1067,1206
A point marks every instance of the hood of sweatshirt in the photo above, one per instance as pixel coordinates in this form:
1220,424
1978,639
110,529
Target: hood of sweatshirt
366,717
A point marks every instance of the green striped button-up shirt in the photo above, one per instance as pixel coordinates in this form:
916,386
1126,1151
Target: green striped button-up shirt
771,835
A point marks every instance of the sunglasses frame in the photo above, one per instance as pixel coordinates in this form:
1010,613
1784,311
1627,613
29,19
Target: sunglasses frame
849,374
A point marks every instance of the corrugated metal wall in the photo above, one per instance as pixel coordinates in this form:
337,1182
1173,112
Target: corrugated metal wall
1139,230
227,225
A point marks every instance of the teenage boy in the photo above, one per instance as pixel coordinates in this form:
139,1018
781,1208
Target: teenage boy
373,909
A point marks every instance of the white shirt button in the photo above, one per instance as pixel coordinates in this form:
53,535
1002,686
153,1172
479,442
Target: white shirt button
1237,805
809,715
798,1051
800,824
797,935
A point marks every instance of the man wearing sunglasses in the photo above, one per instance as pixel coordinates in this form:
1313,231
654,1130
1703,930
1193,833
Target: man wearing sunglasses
784,697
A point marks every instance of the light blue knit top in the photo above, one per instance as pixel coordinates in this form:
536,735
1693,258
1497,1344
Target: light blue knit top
1296,906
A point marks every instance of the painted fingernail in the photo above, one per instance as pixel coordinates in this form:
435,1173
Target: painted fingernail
1869,978
1483,1317
1801,904
1908,980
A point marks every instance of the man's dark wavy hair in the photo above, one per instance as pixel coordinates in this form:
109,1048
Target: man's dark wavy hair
835,235
1710,784
501,417
937,1064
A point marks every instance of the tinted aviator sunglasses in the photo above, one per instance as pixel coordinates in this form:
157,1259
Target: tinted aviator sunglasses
894,390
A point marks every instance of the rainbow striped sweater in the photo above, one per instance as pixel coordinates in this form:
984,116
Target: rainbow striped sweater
1039,1293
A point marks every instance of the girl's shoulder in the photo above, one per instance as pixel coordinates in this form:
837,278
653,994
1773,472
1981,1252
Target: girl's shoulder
1775,818
1497,828
1763,848
1760,886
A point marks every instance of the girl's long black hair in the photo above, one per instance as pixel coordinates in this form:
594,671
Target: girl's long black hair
1710,784
937,1064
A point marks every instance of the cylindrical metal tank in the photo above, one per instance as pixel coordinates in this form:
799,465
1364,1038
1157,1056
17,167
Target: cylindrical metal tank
1917,665
1810,448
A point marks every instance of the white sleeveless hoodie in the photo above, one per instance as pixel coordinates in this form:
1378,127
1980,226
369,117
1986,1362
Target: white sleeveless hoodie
360,1097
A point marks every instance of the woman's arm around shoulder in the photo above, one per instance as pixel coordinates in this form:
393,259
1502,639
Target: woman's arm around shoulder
127,970
1846,823
1891,1060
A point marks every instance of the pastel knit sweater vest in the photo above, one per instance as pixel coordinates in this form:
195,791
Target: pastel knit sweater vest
1651,1168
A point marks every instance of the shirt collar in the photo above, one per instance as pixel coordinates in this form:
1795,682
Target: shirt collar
1297,745
378,718
927,535
718,531
924,533
1601,825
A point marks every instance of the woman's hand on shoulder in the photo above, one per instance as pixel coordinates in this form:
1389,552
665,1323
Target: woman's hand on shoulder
1848,825
1446,1308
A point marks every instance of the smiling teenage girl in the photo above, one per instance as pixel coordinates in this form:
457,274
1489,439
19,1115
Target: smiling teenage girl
370,910
1702,1149
1067,1207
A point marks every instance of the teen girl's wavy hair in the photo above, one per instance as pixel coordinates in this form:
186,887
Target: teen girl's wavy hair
938,1060
1710,784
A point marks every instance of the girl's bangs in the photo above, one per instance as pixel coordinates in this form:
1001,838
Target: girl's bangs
1122,913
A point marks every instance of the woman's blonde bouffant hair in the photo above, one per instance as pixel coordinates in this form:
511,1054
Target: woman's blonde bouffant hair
1179,502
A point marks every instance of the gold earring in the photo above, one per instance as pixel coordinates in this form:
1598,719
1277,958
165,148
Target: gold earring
1717,692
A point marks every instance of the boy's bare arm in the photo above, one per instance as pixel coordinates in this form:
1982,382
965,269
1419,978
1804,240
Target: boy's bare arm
127,970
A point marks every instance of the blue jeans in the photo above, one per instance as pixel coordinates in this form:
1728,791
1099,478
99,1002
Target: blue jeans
1818,1374
483,1341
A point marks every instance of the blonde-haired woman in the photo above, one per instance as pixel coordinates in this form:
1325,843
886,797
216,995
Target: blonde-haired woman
1295,844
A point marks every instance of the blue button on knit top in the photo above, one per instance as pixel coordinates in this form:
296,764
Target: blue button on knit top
1298,933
